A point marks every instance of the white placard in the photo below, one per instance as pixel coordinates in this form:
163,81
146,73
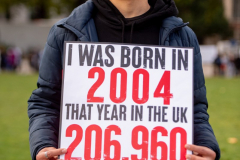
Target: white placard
122,101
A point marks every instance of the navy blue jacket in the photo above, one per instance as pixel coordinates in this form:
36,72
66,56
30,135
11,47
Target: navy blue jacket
44,103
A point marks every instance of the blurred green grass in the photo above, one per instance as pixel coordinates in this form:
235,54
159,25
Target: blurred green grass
224,109
14,93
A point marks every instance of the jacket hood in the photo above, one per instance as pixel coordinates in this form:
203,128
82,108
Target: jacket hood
77,22
159,10
170,25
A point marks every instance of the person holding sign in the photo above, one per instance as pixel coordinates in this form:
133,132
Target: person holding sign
148,22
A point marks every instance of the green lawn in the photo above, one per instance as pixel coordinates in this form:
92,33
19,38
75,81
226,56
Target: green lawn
224,109
223,95
14,93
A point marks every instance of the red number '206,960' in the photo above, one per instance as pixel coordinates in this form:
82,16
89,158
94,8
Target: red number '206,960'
145,147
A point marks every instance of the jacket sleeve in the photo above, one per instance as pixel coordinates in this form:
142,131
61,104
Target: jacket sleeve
44,103
203,133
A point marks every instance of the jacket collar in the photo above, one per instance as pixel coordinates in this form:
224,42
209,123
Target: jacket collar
80,22
169,25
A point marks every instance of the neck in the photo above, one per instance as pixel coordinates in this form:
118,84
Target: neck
131,8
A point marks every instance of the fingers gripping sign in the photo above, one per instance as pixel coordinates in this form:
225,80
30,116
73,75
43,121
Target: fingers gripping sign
200,153
50,153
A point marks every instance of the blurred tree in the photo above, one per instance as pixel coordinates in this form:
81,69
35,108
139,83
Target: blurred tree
5,6
69,5
206,17
40,8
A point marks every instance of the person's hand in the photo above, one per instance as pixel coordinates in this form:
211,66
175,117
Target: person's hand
50,153
200,153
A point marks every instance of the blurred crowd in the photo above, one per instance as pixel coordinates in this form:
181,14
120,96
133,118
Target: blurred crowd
12,58
227,65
